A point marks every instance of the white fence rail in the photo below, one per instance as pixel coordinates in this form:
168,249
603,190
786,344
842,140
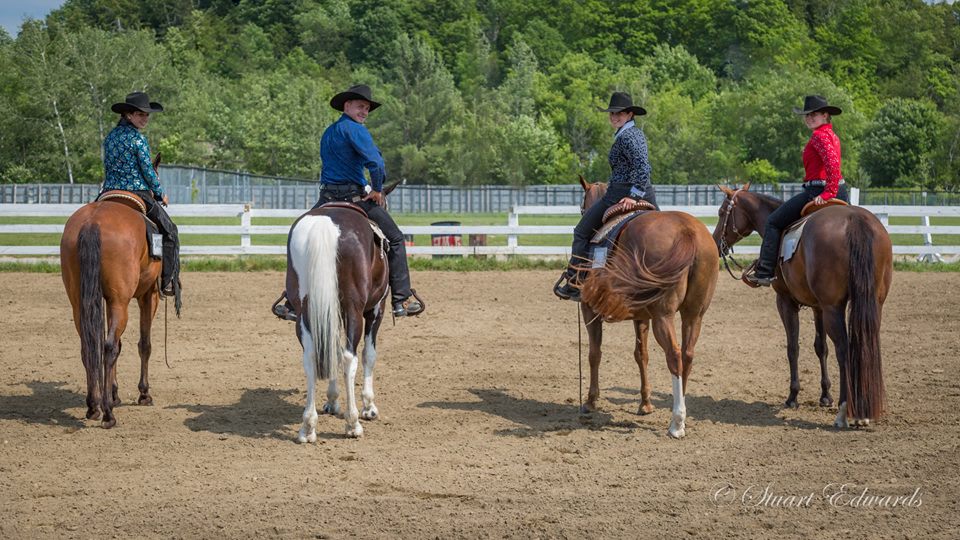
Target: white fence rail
513,229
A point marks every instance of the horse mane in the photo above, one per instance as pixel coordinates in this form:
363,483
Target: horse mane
628,284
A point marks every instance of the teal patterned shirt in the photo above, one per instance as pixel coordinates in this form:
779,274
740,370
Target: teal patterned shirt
126,161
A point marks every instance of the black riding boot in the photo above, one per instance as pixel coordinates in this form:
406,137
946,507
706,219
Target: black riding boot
170,272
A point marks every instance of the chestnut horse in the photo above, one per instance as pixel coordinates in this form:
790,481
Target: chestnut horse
844,257
663,263
337,282
105,259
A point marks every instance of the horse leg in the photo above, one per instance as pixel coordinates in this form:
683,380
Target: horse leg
595,338
371,328
640,354
353,324
308,430
790,315
835,324
116,324
820,346
148,309
666,337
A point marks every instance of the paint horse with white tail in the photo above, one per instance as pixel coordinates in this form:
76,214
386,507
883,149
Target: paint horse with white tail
662,263
337,284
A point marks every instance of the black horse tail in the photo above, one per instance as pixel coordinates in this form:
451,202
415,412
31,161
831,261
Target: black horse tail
865,391
628,284
91,304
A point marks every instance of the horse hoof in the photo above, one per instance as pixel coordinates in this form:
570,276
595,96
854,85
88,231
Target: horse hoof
333,409
676,433
646,409
792,404
116,402
826,402
587,409
356,432
93,414
370,414
309,438
145,400
107,424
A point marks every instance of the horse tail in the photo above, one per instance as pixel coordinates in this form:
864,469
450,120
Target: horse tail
628,284
324,321
865,391
91,304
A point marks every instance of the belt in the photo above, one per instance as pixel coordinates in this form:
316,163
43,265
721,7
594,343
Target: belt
342,188
820,183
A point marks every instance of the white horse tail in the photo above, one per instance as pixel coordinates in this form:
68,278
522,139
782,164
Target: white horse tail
313,250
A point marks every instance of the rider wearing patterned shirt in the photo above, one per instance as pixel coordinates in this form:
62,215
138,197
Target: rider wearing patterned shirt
629,182
822,181
127,166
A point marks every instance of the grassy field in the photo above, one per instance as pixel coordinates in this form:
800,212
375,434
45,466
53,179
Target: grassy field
35,239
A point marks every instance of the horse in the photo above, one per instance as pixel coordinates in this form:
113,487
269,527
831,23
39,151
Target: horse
337,283
663,263
844,256
105,259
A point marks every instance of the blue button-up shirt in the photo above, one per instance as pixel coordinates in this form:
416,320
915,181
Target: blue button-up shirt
126,161
346,148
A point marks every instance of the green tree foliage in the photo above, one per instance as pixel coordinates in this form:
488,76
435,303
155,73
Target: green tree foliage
491,91
899,141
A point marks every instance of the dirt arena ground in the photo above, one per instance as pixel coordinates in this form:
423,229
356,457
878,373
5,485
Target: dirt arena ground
479,434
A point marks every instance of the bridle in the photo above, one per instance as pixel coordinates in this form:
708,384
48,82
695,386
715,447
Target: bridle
726,250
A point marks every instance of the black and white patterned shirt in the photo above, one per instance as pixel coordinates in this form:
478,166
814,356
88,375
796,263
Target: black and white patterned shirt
629,163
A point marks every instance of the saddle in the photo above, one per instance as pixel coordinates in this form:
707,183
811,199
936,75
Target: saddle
135,202
614,220
384,244
791,237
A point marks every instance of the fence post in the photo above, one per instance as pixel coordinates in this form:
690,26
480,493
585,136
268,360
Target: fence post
855,196
513,220
245,229
929,256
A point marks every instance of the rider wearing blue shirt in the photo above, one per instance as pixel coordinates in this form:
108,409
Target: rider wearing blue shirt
127,166
346,150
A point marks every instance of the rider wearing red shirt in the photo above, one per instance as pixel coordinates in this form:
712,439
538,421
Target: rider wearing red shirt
822,181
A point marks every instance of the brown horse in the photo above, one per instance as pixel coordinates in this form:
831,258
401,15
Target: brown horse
337,282
104,258
844,257
663,263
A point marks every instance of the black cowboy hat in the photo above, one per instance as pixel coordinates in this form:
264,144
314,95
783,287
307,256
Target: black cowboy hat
359,91
621,101
816,104
137,101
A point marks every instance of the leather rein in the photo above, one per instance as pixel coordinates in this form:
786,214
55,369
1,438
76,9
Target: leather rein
726,250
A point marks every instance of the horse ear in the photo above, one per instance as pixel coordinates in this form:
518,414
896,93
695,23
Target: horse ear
584,184
746,187
156,161
391,186
727,191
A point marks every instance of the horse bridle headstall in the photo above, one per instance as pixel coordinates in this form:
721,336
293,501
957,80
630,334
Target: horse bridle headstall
726,250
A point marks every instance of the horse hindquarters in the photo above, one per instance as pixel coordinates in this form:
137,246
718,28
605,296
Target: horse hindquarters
865,390
91,321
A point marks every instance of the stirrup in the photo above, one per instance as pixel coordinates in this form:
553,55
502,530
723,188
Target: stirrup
409,307
567,291
284,311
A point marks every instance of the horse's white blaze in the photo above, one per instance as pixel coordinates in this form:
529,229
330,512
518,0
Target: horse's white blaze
308,431
369,360
352,416
677,428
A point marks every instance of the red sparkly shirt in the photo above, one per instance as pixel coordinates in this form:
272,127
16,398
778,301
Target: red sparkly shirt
821,160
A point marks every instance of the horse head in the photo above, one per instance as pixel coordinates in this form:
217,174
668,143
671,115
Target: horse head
735,222
593,192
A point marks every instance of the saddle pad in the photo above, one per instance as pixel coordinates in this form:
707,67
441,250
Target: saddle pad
791,239
154,239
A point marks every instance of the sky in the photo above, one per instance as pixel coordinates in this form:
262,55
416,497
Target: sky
13,12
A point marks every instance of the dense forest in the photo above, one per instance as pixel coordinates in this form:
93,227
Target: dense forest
491,91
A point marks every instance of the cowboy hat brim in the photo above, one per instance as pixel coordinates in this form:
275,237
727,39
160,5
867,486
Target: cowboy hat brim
338,100
639,111
830,109
125,107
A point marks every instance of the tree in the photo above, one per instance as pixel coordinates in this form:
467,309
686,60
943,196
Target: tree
898,143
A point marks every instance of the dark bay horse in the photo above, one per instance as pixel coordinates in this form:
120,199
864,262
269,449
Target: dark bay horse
104,259
844,257
337,283
664,263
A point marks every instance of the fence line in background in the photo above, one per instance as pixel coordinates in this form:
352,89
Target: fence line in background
513,229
